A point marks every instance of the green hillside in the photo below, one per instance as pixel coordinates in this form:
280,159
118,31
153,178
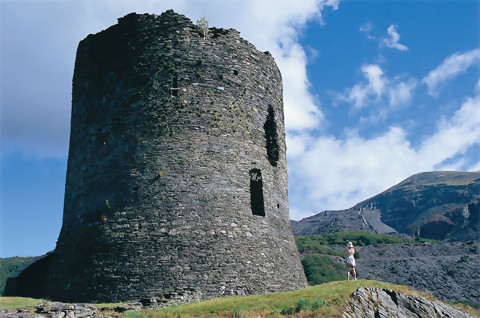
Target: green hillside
7,266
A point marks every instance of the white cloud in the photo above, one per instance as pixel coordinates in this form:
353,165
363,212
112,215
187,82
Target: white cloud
456,134
301,108
392,41
374,75
452,66
332,173
363,92
379,88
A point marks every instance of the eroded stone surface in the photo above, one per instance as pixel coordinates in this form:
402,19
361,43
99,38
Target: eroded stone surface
374,302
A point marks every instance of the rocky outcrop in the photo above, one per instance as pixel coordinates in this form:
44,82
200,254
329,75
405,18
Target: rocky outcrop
53,310
374,302
60,310
436,205
445,270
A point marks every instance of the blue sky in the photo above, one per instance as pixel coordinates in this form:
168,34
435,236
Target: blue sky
374,92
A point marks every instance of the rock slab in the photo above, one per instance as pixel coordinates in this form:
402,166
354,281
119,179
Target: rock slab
374,302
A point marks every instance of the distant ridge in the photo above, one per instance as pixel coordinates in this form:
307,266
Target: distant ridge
438,205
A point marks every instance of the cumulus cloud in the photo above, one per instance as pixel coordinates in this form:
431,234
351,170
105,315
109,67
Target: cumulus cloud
455,134
374,73
452,66
36,99
363,92
392,41
376,87
349,170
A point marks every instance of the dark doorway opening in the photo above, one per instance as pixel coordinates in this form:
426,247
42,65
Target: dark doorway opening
256,192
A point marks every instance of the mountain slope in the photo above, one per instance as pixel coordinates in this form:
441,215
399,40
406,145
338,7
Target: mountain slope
438,205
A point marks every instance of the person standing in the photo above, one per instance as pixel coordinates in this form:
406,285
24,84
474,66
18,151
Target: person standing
350,260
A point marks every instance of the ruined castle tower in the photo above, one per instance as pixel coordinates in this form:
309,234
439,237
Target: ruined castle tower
177,181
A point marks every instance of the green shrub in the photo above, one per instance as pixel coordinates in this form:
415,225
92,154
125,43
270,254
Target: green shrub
382,250
320,243
287,310
357,255
303,304
451,271
395,268
320,269
469,303
317,303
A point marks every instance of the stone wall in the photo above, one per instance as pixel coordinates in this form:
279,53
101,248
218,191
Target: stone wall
176,184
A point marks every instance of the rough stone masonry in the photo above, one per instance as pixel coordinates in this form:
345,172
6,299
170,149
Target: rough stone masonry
176,185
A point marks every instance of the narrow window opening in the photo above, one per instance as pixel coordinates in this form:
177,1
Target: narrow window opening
256,192
271,137
175,86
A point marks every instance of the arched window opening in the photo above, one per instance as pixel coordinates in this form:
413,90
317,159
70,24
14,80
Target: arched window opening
271,137
175,86
256,192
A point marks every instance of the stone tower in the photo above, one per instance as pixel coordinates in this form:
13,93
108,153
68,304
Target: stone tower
176,184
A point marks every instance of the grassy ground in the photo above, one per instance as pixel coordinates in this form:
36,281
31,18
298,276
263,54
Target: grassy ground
18,302
326,300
